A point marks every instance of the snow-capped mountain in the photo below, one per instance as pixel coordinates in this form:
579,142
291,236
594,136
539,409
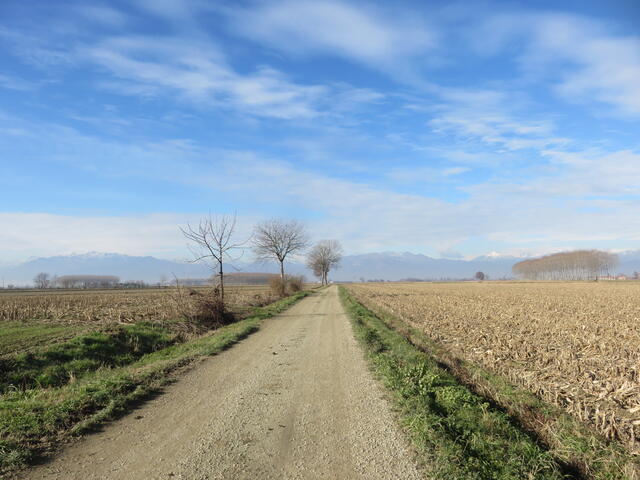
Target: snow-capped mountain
381,265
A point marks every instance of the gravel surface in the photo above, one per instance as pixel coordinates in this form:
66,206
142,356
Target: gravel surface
294,400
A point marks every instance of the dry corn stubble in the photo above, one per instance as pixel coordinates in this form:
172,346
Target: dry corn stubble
109,306
574,344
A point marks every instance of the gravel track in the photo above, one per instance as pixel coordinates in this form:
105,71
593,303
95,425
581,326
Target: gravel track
293,401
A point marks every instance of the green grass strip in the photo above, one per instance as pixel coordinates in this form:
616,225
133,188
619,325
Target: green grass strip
32,421
458,433
24,336
61,363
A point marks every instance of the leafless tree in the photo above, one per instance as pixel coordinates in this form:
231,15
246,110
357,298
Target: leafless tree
277,239
212,242
480,276
42,280
325,255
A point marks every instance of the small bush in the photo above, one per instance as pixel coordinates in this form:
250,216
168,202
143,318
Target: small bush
295,284
292,284
210,310
203,309
277,286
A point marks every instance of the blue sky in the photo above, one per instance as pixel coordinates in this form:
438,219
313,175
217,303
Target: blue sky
444,128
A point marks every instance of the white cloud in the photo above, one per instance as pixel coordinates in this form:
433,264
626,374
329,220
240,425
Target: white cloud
101,14
584,59
169,9
46,234
426,175
364,217
601,65
585,196
356,31
199,72
493,118
595,172
15,83
37,50
455,171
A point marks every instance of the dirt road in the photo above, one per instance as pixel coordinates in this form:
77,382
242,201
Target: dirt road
294,400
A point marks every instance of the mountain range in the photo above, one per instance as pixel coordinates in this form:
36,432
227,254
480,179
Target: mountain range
369,266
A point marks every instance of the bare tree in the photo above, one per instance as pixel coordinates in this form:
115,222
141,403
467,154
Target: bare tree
325,255
42,280
480,276
277,239
212,242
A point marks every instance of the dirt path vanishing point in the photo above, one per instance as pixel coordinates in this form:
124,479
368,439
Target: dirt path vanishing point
294,400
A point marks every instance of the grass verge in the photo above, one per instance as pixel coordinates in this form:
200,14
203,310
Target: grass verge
27,336
33,420
64,362
458,433
577,450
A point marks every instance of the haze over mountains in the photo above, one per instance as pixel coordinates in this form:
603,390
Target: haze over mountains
382,265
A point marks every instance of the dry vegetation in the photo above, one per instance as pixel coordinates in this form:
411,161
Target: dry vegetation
574,344
113,306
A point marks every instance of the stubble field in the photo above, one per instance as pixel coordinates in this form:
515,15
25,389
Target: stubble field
574,344
31,319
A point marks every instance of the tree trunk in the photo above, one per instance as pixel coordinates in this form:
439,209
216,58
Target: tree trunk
282,271
221,285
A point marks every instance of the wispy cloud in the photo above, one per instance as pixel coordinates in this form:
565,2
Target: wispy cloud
155,234
605,67
200,73
378,37
492,117
583,58
101,14
455,171
15,83
555,206
37,50
598,173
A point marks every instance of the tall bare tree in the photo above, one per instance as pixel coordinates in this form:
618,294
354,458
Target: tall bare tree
42,280
277,239
324,255
212,242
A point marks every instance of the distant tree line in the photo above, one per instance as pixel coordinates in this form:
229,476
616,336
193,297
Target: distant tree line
576,265
43,280
87,281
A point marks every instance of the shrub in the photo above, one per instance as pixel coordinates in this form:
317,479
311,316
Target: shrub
295,283
203,309
277,286
292,284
